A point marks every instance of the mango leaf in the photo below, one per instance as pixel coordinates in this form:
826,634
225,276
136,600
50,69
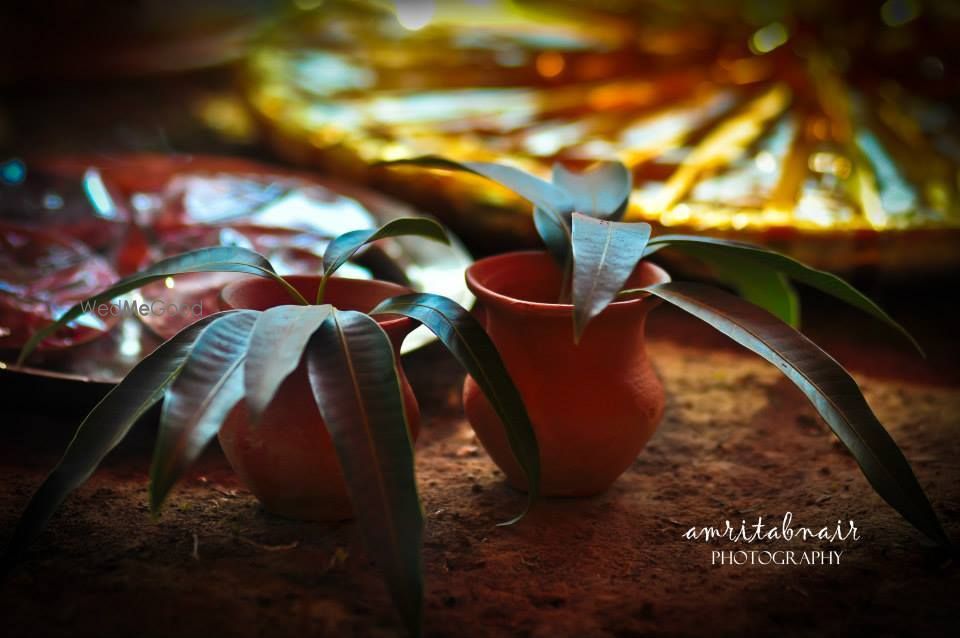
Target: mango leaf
604,256
711,249
215,259
831,390
602,191
343,247
555,235
466,339
200,398
279,339
763,287
104,427
354,380
533,189
551,200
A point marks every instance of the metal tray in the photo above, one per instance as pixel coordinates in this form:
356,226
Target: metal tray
422,264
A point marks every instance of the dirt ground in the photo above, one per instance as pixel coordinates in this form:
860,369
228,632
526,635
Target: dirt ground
737,442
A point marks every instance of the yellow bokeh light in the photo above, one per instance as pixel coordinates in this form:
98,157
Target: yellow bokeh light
550,64
768,38
415,14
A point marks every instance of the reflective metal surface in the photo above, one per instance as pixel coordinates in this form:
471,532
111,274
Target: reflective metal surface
177,203
837,143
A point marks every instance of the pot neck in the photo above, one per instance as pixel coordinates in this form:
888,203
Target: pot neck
362,295
527,282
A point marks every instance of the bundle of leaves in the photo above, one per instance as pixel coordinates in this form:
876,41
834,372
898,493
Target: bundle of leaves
578,217
203,372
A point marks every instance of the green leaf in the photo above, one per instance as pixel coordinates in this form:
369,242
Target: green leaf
602,191
200,398
552,201
604,256
279,339
762,258
466,339
104,427
215,259
764,287
555,234
831,390
343,247
533,189
353,375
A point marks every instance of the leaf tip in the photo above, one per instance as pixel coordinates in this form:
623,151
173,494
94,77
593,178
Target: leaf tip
155,499
27,350
531,498
156,505
254,412
513,521
156,495
918,347
579,326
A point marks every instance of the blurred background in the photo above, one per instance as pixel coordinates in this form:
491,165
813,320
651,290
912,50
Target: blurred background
137,129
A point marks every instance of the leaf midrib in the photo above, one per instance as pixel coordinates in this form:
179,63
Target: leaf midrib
181,441
600,264
828,398
382,488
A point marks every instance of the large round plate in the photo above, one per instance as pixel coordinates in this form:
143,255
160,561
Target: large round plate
144,183
839,146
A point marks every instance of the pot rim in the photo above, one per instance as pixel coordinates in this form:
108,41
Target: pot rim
488,295
385,321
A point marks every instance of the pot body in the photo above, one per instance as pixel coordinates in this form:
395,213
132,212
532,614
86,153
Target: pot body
593,405
288,459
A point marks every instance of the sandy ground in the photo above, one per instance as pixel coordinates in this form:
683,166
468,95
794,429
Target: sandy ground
737,442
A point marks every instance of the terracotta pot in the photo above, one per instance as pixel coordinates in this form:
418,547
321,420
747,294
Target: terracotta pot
593,405
288,460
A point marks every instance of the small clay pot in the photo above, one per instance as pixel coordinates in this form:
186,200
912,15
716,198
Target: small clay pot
593,405
288,460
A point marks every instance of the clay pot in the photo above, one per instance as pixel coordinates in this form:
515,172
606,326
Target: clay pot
288,460
593,405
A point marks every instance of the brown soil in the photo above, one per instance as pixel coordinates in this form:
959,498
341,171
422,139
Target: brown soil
737,442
